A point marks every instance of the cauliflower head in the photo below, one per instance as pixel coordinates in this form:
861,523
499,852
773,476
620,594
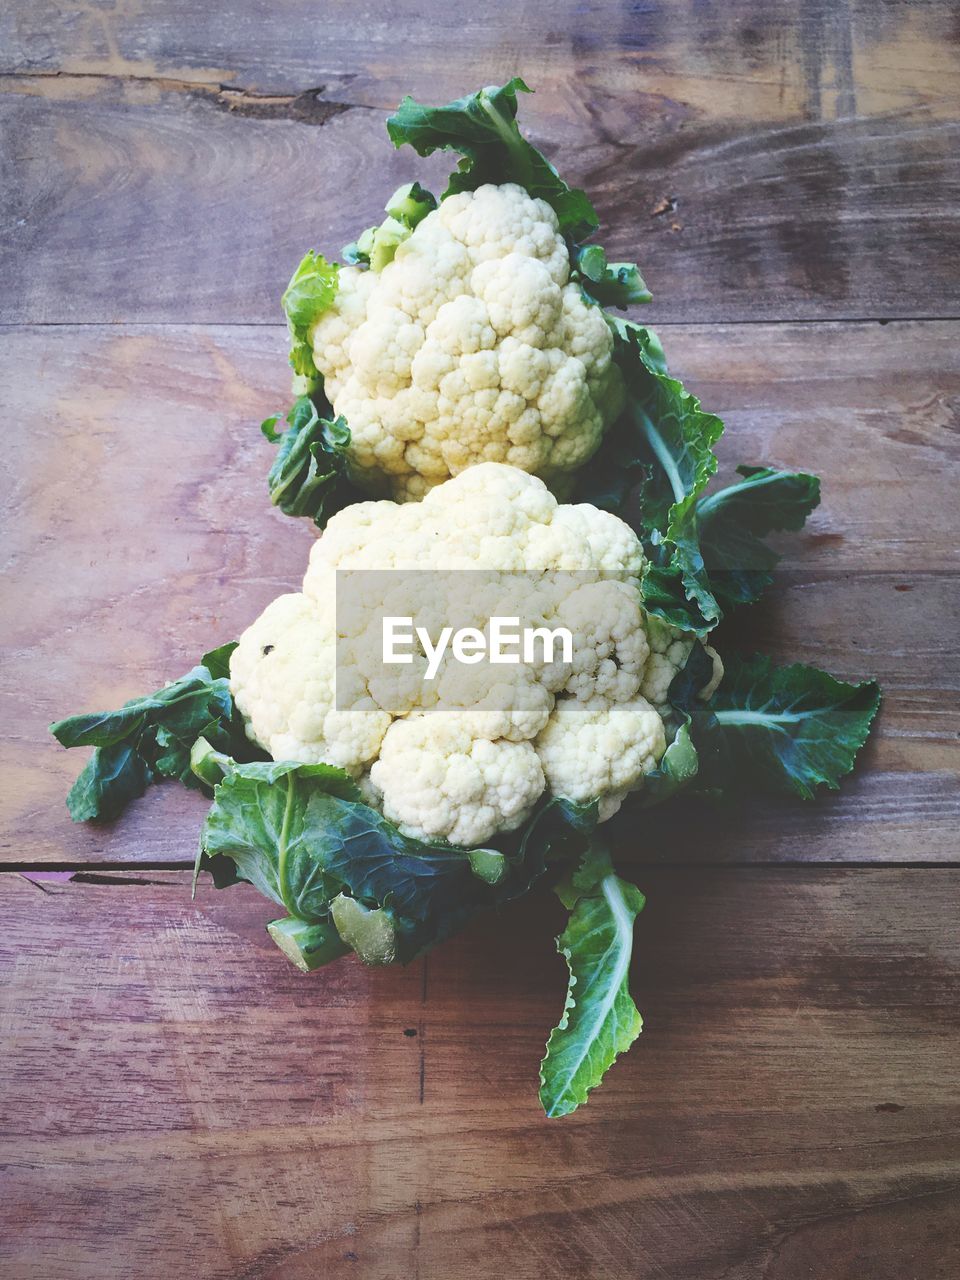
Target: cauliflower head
471,345
467,754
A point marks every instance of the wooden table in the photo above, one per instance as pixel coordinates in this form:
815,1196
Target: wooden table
175,1098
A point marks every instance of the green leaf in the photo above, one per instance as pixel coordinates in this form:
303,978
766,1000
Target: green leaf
614,477
217,661
675,438
428,891
309,474
302,836
734,521
615,284
111,778
368,931
665,596
599,1019
151,737
677,769
311,291
788,729
650,469
410,204
405,210
633,342
259,819
483,129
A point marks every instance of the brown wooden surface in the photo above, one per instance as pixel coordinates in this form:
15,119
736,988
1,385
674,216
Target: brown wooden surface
169,164
174,1096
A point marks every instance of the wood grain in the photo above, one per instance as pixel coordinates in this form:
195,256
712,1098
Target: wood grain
761,162
137,534
791,1108
175,1097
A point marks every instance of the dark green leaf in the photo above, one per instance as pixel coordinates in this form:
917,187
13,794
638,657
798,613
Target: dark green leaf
151,737
301,835
634,341
599,1019
665,596
428,890
309,474
483,129
675,439
788,729
676,771
734,521
650,469
217,661
111,778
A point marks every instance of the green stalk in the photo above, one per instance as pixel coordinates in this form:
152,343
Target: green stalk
307,945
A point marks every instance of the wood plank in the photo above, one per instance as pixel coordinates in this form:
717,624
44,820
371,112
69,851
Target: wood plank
791,1108
173,165
137,534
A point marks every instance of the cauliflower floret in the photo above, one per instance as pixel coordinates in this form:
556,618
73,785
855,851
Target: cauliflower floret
609,643
282,678
464,752
513,704
471,346
438,782
669,650
592,747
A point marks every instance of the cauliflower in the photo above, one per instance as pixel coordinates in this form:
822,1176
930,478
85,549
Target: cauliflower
466,755
472,345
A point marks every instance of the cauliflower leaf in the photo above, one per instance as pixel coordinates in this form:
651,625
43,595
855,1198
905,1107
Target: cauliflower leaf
614,284
259,820
310,292
600,1020
733,522
483,128
152,737
309,474
303,837
785,729
405,210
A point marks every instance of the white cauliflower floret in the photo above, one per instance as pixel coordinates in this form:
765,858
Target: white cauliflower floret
470,346
282,677
438,782
592,747
512,705
464,753
610,646
669,650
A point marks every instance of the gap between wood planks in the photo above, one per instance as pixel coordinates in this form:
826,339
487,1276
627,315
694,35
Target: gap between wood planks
127,873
